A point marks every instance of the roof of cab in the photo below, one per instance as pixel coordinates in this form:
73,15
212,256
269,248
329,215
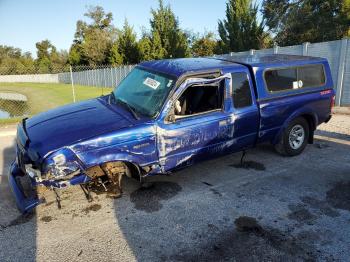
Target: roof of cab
259,60
180,66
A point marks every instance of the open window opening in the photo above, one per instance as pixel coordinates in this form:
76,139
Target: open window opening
199,99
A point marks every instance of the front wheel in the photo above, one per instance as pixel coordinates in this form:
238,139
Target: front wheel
294,138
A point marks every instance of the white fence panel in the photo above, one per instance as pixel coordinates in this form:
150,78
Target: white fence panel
291,50
265,51
329,50
345,98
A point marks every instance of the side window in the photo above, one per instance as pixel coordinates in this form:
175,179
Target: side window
280,79
242,96
199,99
311,75
294,78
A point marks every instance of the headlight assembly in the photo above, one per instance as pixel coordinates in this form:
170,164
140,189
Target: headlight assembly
61,165
59,159
62,172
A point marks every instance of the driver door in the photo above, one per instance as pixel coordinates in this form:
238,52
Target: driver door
185,135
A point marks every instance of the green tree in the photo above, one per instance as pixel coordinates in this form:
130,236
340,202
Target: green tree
150,47
173,40
240,30
93,41
49,60
13,61
205,45
44,49
295,22
146,48
96,47
9,52
75,54
114,56
127,45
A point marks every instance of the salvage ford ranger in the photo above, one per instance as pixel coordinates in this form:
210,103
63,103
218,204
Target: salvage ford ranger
168,114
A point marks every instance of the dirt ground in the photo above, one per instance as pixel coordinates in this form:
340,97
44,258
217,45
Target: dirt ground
272,209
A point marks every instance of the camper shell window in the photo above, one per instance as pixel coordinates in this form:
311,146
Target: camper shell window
285,79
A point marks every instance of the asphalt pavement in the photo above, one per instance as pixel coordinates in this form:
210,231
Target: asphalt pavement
272,208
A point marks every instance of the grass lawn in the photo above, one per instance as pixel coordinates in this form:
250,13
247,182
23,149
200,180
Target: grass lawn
45,96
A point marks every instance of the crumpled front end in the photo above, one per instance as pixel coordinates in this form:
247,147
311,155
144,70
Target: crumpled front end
97,165
25,182
29,173
24,201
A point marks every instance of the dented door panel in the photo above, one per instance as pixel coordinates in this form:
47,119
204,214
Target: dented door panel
182,143
198,136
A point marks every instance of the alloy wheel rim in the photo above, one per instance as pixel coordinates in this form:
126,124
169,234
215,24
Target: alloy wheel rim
296,137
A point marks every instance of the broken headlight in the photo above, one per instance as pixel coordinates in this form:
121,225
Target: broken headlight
62,164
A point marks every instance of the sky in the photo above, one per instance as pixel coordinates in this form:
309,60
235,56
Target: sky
25,22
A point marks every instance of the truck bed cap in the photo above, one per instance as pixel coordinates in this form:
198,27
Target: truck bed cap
270,59
180,66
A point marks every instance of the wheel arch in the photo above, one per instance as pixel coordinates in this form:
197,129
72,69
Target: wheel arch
312,126
133,170
310,117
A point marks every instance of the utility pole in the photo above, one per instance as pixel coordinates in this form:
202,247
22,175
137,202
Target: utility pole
72,82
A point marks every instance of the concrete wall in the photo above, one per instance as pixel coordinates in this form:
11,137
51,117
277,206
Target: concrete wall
40,78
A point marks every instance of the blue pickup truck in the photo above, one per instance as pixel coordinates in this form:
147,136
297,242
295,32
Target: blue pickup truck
168,114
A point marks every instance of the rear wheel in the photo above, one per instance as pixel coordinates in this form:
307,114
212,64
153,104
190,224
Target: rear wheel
294,138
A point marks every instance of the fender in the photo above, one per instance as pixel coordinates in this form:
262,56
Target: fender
142,168
137,147
92,158
299,112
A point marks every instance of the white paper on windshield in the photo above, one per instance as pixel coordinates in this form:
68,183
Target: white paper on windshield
151,83
295,85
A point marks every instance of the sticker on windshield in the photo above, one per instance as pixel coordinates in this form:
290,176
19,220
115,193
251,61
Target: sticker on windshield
151,83
295,85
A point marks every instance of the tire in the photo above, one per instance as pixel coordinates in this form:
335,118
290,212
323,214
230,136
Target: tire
294,138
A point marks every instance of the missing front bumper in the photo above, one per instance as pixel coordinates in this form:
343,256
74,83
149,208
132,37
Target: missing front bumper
26,196
24,202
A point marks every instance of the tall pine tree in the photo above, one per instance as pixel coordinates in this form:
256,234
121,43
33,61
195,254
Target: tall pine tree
127,45
150,47
240,30
165,24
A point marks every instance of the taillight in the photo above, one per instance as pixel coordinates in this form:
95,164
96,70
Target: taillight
332,102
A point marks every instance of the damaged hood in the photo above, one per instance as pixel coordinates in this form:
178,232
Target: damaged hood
72,123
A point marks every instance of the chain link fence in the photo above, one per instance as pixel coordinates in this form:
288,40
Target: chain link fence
27,92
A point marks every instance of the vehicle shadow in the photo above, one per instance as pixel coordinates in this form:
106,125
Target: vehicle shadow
336,135
192,215
17,231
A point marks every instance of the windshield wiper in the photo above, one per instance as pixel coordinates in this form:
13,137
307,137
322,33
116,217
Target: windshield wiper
130,108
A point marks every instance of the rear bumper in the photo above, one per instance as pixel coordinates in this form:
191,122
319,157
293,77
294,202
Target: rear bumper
24,203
